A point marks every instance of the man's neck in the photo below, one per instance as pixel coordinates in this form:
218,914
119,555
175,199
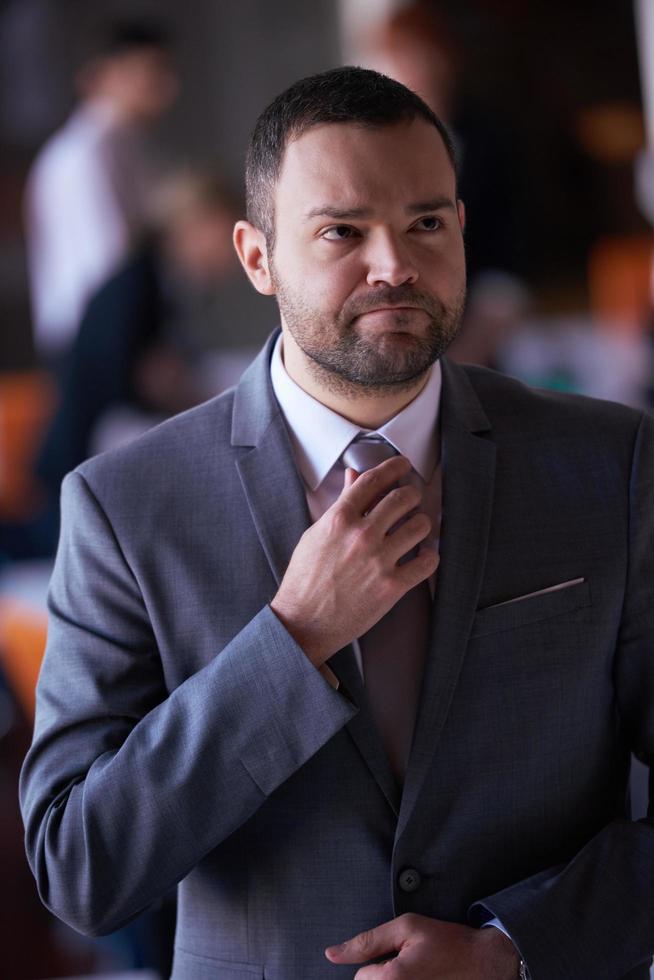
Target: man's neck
369,409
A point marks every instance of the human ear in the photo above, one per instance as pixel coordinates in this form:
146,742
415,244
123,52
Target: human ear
461,211
250,245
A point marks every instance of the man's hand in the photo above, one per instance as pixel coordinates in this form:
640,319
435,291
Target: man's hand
343,575
428,949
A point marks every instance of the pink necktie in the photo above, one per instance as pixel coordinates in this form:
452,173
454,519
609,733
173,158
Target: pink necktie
393,651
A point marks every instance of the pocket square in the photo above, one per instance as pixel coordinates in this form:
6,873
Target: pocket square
539,592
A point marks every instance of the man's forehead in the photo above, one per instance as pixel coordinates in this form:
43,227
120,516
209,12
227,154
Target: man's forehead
349,167
347,212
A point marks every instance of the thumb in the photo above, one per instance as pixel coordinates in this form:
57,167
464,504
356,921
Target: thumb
386,938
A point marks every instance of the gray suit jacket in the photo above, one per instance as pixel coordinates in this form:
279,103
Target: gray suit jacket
182,736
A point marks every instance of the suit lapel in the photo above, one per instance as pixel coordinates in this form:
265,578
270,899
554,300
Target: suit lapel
277,500
275,496
468,471
270,480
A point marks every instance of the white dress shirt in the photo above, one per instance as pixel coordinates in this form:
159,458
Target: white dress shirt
84,202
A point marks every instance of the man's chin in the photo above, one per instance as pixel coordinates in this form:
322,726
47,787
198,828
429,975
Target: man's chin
389,341
389,374
398,353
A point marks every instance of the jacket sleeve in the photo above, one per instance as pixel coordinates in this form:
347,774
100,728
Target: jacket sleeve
594,917
127,787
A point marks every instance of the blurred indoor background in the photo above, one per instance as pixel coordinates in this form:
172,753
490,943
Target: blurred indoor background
121,302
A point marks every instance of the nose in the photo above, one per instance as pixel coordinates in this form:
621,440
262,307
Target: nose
389,262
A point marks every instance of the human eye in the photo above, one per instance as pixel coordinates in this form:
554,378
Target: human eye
430,222
338,233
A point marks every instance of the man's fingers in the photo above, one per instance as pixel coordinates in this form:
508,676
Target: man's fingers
394,506
373,484
417,569
381,941
407,536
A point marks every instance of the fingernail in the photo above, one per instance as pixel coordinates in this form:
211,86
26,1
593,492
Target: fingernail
336,950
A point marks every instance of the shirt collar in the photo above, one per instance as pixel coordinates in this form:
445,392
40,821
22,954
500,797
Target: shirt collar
320,435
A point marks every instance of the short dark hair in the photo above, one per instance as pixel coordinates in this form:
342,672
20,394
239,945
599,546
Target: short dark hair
339,95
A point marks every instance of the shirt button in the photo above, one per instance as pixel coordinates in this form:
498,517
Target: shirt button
409,880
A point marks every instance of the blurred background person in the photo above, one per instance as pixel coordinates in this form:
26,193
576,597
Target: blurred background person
89,184
138,356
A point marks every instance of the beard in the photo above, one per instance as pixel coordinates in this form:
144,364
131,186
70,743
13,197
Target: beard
345,359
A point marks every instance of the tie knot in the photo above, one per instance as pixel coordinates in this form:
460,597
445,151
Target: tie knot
364,452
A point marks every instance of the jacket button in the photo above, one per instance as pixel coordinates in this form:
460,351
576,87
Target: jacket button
409,880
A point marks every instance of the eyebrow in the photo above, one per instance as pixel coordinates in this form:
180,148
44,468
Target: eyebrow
347,214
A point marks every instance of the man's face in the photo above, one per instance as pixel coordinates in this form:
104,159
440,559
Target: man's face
368,261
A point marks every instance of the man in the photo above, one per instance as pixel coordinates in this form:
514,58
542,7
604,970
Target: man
242,691
87,190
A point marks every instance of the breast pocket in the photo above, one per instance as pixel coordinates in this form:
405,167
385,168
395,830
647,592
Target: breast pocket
512,615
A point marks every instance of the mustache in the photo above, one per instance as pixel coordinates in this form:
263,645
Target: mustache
404,295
